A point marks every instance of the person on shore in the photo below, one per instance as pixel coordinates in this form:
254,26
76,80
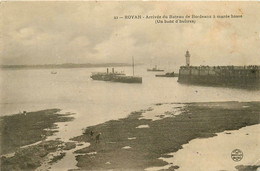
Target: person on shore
98,137
91,134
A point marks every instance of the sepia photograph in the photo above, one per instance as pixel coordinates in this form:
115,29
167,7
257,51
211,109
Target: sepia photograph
129,85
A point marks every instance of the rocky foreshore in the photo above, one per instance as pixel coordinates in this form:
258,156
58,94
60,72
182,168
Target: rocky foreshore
23,139
136,143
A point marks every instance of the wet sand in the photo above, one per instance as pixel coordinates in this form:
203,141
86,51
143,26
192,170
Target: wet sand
215,152
137,143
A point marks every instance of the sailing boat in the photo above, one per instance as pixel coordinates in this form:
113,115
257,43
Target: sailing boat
117,77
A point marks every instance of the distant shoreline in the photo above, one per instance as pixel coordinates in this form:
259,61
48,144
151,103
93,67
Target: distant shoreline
66,65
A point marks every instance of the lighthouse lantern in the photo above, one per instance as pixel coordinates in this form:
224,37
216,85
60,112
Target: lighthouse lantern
187,55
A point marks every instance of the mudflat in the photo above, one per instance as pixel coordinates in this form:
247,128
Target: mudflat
134,143
23,135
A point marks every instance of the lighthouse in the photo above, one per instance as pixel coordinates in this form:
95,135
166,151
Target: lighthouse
187,55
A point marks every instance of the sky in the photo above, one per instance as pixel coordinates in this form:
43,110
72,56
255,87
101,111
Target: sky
86,32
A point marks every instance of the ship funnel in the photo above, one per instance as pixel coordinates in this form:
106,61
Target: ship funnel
107,70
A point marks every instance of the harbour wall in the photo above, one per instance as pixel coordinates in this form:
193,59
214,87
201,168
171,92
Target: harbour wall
237,76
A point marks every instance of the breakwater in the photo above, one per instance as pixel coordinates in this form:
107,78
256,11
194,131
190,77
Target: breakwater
237,76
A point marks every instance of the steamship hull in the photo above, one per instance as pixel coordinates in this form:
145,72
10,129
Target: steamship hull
155,70
122,78
168,75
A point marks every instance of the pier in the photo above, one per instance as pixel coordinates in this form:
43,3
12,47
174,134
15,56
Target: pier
237,76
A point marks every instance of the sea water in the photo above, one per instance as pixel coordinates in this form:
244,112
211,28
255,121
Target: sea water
94,102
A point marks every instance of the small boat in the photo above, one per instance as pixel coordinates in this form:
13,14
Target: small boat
168,74
53,72
155,69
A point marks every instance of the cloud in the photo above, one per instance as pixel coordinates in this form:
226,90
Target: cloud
80,32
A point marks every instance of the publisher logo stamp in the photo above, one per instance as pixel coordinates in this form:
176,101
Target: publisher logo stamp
237,155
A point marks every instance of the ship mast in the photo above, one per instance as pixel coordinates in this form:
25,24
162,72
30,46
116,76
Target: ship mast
133,65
